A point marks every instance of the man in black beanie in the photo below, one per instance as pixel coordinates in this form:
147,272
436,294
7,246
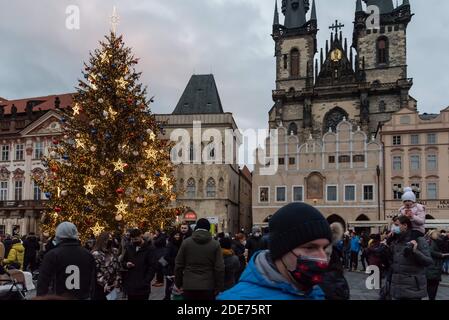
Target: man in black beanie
293,266
199,266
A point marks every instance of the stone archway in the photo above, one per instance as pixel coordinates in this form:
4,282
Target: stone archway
336,218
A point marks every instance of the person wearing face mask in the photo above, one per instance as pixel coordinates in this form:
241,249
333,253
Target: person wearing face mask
295,263
107,267
64,262
140,264
435,270
415,212
255,243
410,257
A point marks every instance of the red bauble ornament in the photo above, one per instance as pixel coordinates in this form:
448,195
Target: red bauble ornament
125,165
58,209
130,101
178,213
55,141
120,191
54,169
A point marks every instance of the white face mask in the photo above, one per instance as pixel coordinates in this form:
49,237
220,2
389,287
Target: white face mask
244,243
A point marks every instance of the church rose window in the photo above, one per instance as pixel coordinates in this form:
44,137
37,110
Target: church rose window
333,118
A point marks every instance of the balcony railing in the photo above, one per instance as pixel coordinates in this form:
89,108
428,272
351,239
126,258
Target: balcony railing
25,204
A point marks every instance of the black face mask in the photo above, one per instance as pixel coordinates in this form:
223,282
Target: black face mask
309,272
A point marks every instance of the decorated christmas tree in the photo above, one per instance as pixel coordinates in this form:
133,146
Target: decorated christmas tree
109,171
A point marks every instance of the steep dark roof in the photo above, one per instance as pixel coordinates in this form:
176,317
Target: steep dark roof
385,6
200,96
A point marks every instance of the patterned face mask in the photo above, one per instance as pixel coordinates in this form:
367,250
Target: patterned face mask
309,271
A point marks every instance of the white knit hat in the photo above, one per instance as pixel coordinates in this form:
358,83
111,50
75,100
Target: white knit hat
408,195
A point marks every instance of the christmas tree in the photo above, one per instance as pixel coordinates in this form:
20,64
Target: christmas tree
110,171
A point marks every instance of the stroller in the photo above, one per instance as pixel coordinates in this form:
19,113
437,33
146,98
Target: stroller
12,285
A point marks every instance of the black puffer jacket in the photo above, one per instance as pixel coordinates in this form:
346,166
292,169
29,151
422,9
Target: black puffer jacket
335,285
137,280
62,266
408,280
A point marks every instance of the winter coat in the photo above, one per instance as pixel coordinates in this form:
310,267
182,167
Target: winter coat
31,245
107,268
262,281
8,246
335,285
419,217
199,264
61,266
254,244
232,267
137,280
2,251
377,255
15,256
239,251
170,256
435,270
408,280
355,244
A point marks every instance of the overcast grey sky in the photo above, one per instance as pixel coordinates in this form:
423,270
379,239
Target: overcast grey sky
176,38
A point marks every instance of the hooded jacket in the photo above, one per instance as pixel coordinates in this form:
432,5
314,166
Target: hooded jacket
16,255
199,264
435,270
262,281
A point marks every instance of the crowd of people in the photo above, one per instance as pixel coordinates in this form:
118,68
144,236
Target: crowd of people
299,256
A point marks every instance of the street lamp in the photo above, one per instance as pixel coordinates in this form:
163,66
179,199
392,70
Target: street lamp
378,191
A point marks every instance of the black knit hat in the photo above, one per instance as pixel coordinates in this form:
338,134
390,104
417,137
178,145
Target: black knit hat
294,225
203,224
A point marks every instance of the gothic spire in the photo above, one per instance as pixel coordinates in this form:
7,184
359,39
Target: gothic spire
295,13
276,14
358,6
385,6
313,14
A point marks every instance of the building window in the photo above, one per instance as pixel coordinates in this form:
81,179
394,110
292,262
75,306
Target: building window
432,191
291,161
298,194
191,188
18,191
414,163
5,153
19,152
212,154
285,61
332,193
210,188
294,63
382,50
331,159
396,140
368,193
416,189
359,158
349,193
414,139
292,129
397,163
38,150
37,194
432,163
281,161
4,191
264,194
344,159
431,138
281,194
397,191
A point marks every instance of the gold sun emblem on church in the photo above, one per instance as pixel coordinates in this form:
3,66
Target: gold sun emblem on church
336,55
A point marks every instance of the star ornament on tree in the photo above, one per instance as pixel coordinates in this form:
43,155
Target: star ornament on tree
121,207
119,165
76,109
97,229
165,181
79,143
89,188
122,83
104,57
151,154
112,113
152,136
150,184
